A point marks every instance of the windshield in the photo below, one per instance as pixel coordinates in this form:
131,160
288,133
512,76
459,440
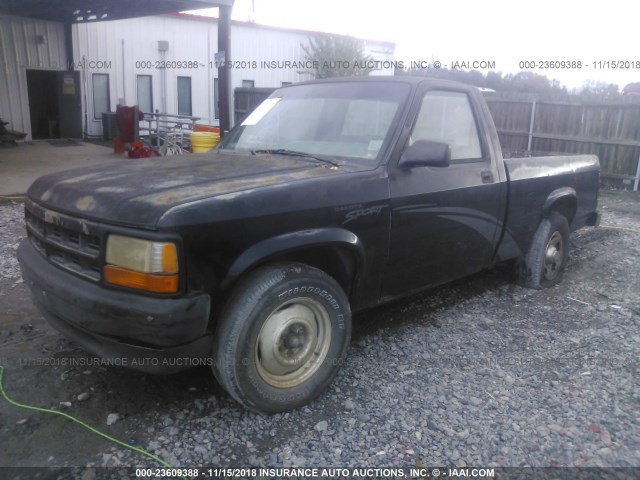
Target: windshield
342,119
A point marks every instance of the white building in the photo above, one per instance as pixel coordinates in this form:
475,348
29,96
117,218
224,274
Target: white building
162,63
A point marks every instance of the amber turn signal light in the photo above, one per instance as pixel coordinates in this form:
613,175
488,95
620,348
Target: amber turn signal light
141,281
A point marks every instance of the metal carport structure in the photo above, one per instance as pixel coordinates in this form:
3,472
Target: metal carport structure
69,12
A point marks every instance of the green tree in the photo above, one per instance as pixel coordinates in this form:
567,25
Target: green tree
528,82
531,82
521,82
337,56
593,88
494,80
472,77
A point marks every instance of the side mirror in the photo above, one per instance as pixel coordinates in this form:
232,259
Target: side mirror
425,153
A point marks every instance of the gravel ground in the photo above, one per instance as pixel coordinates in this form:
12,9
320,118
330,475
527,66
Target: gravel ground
480,372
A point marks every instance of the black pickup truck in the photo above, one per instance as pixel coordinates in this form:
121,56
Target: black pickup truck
330,198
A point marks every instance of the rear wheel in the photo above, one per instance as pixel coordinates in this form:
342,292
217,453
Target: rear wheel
547,256
282,337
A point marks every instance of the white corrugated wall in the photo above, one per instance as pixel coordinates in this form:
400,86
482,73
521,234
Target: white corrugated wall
127,48
25,44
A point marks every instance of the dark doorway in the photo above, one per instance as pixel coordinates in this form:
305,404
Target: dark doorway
43,104
54,104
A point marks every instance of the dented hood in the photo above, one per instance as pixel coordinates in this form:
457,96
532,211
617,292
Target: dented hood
138,192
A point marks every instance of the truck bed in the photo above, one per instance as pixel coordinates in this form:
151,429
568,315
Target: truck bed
534,180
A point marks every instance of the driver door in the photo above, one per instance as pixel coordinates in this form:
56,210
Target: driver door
444,220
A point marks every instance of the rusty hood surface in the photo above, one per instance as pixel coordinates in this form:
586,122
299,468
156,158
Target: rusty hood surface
138,192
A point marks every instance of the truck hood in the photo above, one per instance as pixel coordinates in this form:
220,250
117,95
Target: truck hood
138,192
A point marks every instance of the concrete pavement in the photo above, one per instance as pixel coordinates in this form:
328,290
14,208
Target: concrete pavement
21,165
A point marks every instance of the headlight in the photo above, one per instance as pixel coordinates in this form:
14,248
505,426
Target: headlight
142,264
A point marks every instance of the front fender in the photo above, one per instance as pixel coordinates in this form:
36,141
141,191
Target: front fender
292,241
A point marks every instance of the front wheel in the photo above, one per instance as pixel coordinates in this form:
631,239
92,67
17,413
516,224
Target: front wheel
547,257
282,337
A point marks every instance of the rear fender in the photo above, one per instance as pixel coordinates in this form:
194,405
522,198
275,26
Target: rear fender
562,200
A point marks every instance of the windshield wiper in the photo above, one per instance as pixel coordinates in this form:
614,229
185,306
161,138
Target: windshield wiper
294,153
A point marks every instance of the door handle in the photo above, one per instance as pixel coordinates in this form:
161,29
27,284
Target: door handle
487,176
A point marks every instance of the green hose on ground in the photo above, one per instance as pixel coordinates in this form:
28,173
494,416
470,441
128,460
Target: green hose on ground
80,422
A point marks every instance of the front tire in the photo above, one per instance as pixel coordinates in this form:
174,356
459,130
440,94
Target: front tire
547,257
282,337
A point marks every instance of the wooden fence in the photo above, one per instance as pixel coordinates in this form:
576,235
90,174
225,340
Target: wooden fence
610,130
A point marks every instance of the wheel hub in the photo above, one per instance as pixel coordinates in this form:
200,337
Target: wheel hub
293,342
553,256
294,337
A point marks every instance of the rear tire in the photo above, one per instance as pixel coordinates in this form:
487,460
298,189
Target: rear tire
547,257
282,337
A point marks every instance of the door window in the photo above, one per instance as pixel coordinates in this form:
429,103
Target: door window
184,96
145,93
447,117
101,103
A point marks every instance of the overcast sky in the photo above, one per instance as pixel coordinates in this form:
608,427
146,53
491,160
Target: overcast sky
505,32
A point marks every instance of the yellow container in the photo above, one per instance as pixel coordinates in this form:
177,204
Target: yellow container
204,141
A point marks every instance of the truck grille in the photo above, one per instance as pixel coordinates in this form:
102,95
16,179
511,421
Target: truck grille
65,241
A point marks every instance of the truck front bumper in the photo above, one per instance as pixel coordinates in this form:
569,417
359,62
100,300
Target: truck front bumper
151,334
